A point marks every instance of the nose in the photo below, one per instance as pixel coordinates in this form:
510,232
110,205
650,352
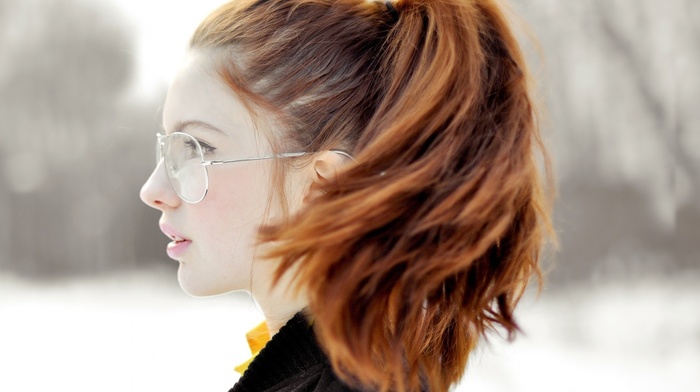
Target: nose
157,192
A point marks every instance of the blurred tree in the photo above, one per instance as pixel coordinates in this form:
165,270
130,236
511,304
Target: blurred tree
72,145
621,91
610,88
685,66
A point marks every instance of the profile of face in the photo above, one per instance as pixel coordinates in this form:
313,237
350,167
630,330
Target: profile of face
214,240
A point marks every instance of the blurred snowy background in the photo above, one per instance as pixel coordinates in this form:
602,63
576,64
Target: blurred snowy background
89,300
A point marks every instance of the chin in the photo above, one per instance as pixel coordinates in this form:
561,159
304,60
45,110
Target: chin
197,287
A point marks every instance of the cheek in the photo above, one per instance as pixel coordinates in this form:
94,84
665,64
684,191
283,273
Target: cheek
237,197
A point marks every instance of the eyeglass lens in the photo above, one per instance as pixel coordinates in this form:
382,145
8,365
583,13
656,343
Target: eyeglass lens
183,158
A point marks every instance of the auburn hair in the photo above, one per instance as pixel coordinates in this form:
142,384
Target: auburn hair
428,239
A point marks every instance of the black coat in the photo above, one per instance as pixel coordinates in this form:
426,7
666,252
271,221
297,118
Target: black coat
291,361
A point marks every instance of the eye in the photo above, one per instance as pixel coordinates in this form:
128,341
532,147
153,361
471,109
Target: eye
206,148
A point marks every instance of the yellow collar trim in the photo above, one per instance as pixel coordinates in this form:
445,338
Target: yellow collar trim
257,339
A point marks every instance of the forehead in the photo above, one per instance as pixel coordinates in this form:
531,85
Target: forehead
198,94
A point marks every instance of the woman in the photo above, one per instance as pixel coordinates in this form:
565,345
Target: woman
367,170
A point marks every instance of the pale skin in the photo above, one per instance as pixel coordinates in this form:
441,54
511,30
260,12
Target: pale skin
222,255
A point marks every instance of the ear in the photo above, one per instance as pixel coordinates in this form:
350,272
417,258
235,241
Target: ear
325,169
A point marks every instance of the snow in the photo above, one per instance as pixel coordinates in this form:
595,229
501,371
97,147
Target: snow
137,331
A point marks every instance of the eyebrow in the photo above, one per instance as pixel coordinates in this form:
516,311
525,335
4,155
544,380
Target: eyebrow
183,125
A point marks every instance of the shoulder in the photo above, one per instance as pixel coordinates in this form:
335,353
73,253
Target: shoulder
319,378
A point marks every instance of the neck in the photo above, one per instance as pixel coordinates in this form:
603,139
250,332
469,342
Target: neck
279,303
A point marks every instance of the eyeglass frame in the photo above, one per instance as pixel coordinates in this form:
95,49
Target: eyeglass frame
161,138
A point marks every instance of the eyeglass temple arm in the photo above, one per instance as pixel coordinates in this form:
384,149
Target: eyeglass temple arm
345,154
283,155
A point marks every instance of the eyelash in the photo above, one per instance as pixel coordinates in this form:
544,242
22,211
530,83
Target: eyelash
206,148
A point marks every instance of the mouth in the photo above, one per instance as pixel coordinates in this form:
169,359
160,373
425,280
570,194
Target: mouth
179,244
176,249
177,239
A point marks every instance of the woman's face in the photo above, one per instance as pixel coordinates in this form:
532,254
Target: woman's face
213,239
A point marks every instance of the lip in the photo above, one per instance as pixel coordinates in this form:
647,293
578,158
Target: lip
179,244
176,249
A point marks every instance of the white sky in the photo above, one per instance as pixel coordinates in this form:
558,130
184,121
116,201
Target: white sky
162,29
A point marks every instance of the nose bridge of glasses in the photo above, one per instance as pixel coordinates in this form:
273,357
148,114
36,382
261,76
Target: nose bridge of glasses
160,157
160,145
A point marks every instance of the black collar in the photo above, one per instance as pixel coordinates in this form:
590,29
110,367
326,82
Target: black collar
291,351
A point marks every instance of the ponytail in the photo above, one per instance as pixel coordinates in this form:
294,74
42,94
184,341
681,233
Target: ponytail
429,238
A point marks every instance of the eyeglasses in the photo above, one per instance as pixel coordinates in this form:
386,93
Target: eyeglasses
186,167
188,170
